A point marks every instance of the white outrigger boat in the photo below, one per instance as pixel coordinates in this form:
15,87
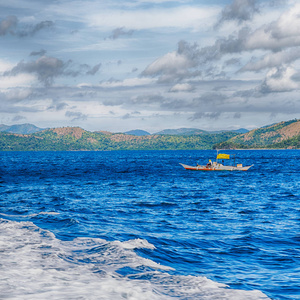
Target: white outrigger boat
216,166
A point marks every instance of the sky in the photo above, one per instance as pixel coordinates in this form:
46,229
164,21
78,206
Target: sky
150,65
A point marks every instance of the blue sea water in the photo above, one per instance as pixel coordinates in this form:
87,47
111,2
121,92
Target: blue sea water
136,225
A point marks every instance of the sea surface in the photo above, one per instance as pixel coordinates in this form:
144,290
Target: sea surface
136,225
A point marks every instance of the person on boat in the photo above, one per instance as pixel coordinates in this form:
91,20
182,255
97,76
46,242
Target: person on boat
209,164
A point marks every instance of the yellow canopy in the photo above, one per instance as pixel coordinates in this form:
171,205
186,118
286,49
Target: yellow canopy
223,156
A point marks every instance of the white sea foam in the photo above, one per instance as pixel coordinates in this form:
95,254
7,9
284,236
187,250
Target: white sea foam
34,264
137,243
50,213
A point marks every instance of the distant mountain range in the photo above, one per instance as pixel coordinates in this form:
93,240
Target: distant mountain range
21,129
137,132
192,131
29,128
280,135
27,137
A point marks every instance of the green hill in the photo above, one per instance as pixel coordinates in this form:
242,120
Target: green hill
137,132
75,138
283,135
182,131
20,128
194,131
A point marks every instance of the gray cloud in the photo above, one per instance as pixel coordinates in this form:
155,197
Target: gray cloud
11,102
272,60
58,106
8,24
279,80
231,62
190,60
86,69
207,115
238,10
18,118
277,35
11,23
127,116
296,77
211,98
182,87
118,32
76,116
177,65
237,115
32,30
94,69
250,93
42,52
46,68
147,99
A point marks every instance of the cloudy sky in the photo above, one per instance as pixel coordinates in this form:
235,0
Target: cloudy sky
137,64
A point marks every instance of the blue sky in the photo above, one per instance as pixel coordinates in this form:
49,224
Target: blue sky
151,65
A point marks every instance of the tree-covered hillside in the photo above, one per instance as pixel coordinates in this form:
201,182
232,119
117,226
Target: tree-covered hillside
75,138
281,135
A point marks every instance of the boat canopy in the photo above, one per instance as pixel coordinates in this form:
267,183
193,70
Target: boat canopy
223,156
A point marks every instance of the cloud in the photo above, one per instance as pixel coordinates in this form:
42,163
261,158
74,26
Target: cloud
181,87
191,60
15,81
126,83
18,118
76,116
238,10
277,35
18,100
281,37
11,25
58,106
33,29
175,65
280,80
147,99
210,100
232,61
127,116
94,69
42,52
272,60
171,63
18,94
207,115
8,24
118,32
46,68
237,115
182,16
131,115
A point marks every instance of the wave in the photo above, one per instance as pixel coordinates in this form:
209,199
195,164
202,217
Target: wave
37,265
50,213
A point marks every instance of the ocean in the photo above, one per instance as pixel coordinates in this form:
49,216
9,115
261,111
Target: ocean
137,225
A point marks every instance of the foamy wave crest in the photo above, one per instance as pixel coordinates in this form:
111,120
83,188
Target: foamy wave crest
50,213
137,244
36,265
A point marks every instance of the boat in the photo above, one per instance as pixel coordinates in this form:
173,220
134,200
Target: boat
216,166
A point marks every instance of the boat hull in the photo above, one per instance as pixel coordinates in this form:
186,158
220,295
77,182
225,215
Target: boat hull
217,167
